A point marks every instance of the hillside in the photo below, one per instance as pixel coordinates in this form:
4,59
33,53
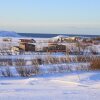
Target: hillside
8,34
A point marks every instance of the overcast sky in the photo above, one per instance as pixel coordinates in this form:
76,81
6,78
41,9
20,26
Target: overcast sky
50,16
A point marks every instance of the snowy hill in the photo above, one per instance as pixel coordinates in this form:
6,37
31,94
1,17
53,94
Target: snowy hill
60,36
8,34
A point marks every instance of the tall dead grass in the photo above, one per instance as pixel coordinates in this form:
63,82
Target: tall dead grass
95,63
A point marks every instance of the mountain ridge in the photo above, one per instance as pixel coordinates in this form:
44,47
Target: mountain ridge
9,34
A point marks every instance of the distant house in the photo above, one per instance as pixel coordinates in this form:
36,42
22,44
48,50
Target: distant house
55,48
5,43
96,40
87,40
27,41
71,39
16,49
7,39
27,44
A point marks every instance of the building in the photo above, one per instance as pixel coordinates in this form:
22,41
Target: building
7,40
71,39
55,48
27,41
27,44
16,50
27,47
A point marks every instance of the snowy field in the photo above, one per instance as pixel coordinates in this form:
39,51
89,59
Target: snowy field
64,86
58,79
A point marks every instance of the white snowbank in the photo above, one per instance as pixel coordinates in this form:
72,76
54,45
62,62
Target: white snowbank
66,86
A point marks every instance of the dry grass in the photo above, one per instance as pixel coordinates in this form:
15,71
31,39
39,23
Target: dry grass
95,63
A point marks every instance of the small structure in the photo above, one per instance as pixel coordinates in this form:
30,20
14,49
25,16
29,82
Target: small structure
27,44
71,39
27,41
16,49
27,47
55,48
7,39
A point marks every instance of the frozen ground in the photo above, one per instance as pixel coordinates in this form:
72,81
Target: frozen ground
64,86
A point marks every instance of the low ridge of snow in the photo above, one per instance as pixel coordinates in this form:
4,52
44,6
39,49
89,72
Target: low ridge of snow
60,36
8,34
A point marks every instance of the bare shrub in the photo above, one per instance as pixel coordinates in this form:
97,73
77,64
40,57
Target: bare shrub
82,68
24,71
84,58
35,69
51,60
95,63
61,68
63,60
6,72
35,65
93,51
20,62
5,62
20,67
36,61
81,59
54,69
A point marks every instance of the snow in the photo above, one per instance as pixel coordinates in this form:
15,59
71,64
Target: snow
74,85
57,37
62,86
60,36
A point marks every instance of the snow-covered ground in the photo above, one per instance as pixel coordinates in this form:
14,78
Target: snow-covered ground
49,84
66,86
